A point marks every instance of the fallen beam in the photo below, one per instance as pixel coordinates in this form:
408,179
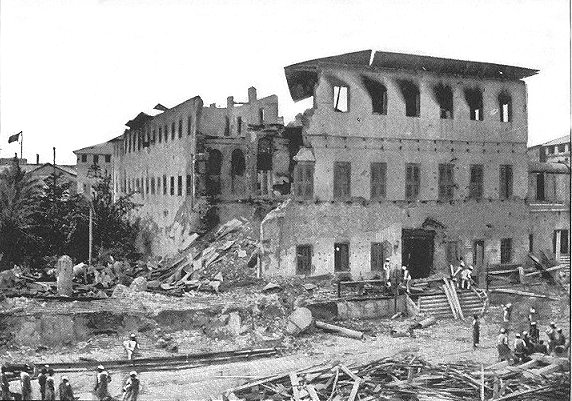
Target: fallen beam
546,270
523,293
341,330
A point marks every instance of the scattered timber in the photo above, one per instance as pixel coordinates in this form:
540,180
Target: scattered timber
523,293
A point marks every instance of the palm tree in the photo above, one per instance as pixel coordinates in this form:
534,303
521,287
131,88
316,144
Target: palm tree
19,201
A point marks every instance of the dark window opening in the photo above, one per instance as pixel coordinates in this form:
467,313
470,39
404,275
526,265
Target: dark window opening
304,180
377,258
378,94
561,148
412,98
226,126
444,97
147,185
341,98
189,185
173,131
474,98
137,185
153,136
540,195
342,180
239,125
179,185
214,164
95,159
164,185
563,236
417,251
172,192
108,158
505,106
341,257
304,259
505,187
265,150
446,182
166,132
476,182
378,178
506,250
238,167
152,185
478,254
160,134
84,158
180,128
261,116
530,243
412,181
452,252
189,125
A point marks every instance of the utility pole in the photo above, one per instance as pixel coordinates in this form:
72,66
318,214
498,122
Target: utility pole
90,231
54,166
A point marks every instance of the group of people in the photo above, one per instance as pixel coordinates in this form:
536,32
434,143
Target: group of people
395,276
462,275
47,389
528,342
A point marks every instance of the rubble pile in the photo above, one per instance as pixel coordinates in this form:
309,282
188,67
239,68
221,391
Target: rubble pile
405,378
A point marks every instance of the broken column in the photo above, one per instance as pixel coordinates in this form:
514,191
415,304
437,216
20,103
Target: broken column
64,276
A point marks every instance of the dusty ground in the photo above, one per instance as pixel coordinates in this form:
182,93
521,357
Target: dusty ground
447,341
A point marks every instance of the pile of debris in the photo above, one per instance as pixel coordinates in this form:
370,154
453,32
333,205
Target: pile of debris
405,378
228,255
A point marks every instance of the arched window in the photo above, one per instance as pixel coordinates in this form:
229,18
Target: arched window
378,94
505,107
444,97
214,164
264,160
412,98
474,98
238,165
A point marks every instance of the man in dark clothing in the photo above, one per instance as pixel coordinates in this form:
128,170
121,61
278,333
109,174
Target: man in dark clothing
42,381
541,348
551,333
66,392
534,333
502,346
519,348
476,331
4,385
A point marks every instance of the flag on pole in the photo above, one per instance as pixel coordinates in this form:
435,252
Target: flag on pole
15,137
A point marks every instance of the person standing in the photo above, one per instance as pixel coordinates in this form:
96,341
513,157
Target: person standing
406,278
131,388
532,315
476,331
4,385
101,384
551,334
26,385
386,272
502,346
66,392
42,381
50,386
534,332
506,314
131,346
519,348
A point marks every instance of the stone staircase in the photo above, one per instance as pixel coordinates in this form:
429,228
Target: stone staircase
565,260
472,302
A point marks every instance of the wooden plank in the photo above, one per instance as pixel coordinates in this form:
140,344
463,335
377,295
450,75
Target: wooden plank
312,392
545,270
354,391
523,293
348,372
453,311
295,386
456,300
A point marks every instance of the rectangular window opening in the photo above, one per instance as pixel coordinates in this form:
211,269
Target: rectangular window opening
505,185
189,185
341,257
239,125
341,99
377,257
342,180
304,259
412,181
304,180
378,179
476,182
180,129
179,185
164,184
506,250
172,185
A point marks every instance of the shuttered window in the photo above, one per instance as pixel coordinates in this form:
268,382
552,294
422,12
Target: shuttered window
476,182
506,250
376,256
412,181
505,185
378,177
446,182
342,180
304,180
304,259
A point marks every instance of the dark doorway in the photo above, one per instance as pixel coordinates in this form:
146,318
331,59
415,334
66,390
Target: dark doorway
417,251
341,257
479,259
540,187
376,256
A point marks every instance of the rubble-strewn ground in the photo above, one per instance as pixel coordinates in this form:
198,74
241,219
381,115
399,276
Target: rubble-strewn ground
261,323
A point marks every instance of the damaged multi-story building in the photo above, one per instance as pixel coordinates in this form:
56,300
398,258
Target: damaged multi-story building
418,159
183,160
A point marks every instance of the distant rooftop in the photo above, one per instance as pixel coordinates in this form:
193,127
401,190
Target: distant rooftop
298,74
100,148
558,141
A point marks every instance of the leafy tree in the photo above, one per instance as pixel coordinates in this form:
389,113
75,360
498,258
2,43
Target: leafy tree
19,195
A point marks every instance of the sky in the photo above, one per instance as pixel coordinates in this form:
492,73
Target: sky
73,72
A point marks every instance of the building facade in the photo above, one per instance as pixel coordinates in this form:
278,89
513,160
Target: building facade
555,151
93,163
417,159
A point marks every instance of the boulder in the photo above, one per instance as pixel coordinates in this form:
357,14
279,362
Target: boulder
139,284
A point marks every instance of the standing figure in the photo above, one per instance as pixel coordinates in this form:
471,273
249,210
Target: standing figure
101,384
534,332
466,277
551,334
42,381
506,314
386,272
502,346
131,388
50,386
406,278
66,392
476,331
26,385
528,344
130,346
519,348
4,385
532,315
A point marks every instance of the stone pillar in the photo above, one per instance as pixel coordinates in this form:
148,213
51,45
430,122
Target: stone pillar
64,272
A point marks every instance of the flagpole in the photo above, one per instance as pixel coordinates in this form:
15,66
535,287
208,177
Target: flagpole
21,144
